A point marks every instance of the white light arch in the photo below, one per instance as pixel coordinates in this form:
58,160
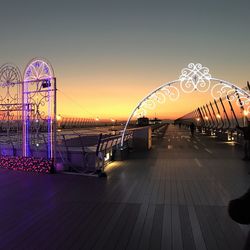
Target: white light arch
193,78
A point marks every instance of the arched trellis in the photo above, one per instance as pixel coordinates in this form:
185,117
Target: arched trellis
193,78
39,106
10,102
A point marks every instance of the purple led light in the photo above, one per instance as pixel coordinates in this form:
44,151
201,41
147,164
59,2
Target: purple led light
46,69
37,64
28,164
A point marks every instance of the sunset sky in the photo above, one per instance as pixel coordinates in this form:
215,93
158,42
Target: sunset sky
107,55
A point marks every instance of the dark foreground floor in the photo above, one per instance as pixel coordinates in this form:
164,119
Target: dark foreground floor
174,197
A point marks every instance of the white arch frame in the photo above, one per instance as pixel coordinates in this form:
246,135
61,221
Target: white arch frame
36,73
205,76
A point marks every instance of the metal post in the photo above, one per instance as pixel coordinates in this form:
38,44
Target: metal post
231,106
203,115
23,123
219,114
214,115
229,124
241,107
212,120
54,127
205,112
199,111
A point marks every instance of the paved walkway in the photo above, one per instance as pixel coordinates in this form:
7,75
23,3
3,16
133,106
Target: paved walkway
173,197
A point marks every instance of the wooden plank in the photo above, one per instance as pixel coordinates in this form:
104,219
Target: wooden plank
167,195
81,224
92,232
177,242
186,229
207,232
156,233
161,192
126,234
110,226
166,242
196,230
188,197
118,231
137,231
232,232
147,228
181,196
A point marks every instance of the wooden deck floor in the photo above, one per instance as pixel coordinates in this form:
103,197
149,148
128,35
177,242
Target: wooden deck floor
173,197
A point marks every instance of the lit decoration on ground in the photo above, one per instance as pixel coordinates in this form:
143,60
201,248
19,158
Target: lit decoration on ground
28,164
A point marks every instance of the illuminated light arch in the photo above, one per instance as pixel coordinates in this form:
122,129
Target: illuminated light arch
39,93
195,77
38,69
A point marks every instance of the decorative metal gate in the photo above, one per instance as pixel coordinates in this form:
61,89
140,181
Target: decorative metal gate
10,106
39,109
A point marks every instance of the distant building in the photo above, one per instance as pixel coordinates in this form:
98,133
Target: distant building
142,121
155,121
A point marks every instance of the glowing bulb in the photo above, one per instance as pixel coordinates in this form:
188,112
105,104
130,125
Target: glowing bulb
58,118
206,117
197,119
245,112
218,116
97,119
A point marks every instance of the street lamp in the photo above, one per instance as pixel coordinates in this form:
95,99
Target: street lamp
58,118
245,113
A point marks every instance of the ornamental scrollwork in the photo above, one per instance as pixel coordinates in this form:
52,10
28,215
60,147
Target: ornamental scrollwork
195,77
158,97
231,93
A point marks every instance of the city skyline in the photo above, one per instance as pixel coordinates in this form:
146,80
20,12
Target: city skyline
108,56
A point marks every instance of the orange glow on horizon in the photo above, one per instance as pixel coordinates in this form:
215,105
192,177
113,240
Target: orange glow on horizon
115,97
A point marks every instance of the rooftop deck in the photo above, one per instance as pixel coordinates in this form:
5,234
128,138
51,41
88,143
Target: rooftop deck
173,197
